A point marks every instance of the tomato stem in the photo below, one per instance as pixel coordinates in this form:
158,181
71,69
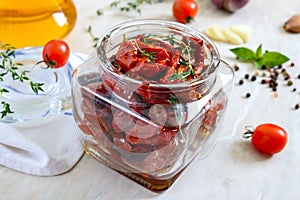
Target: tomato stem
248,133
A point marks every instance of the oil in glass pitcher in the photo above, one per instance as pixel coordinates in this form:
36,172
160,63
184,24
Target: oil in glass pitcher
35,22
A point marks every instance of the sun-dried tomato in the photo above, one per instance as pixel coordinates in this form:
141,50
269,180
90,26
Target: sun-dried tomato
198,48
149,71
126,56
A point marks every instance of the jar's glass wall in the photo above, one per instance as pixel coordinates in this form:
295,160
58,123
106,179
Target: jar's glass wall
150,141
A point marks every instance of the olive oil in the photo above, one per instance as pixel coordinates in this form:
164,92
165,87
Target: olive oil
35,22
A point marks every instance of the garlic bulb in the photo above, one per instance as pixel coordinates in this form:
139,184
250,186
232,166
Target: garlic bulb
230,5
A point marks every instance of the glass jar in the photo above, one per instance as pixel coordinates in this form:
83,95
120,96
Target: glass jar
151,99
35,22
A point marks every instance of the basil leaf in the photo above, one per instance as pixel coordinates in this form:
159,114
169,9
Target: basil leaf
244,53
258,58
259,62
271,59
259,51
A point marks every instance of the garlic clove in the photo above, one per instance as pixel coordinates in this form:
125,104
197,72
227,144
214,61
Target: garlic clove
237,34
232,37
243,31
293,24
215,32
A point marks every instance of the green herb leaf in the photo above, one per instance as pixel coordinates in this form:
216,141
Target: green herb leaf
259,51
6,109
272,59
244,53
258,58
173,100
36,87
175,76
258,62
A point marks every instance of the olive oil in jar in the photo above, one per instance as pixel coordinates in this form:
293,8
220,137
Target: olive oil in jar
35,22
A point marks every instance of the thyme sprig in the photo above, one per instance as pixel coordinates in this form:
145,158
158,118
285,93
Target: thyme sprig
150,55
94,38
9,67
185,49
127,7
173,100
6,109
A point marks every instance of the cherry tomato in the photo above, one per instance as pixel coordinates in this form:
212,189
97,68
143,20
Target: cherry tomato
56,53
268,138
184,10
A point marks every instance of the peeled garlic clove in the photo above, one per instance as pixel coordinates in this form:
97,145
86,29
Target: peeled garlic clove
243,31
230,5
232,37
293,24
216,32
237,34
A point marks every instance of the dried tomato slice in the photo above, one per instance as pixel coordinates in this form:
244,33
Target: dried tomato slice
159,53
126,56
149,71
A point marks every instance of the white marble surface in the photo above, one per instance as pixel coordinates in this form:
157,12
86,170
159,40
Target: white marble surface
234,170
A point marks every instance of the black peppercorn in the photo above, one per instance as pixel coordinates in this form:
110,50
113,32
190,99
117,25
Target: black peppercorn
289,83
236,68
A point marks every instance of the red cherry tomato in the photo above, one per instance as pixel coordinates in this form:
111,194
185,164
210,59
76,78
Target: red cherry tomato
56,53
268,138
184,10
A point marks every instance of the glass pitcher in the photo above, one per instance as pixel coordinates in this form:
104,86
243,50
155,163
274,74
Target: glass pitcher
35,22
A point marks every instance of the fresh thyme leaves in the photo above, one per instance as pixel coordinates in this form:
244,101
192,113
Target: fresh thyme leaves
36,87
9,67
95,39
6,109
187,64
183,75
150,55
258,58
173,100
146,38
100,12
123,7
115,4
171,39
135,5
129,6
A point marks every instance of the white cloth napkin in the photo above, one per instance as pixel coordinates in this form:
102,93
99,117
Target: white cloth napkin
46,150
